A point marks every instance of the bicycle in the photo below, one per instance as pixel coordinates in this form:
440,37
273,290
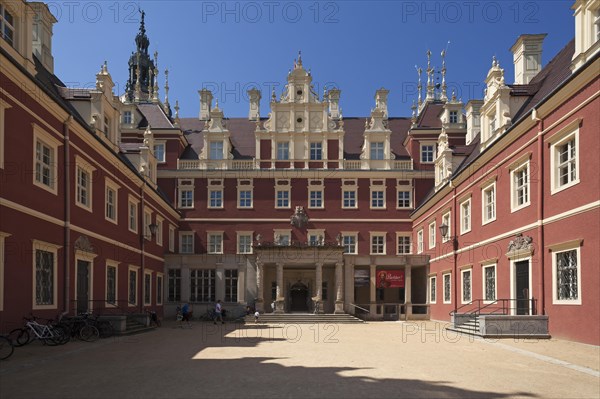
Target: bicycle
153,318
51,333
6,347
81,327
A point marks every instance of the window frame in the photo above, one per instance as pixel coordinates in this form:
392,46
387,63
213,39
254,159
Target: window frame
111,185
45,138
185,186
570,132
174,280
431,144
403,235
315,146
377,148
432,294
159,230
556,250
183,234
38,245
163,144
432,236
350,234
283,151
463,272
463,215
447,220
245,188
244,234
114,265
214,248
514,189
213,153
319,202
135,202
484,282
147,294
160,286
84,168
3,107
171,238
378,235
485,219
4,23
134,269
420,241
449,274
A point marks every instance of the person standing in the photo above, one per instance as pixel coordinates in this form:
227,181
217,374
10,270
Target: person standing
219,312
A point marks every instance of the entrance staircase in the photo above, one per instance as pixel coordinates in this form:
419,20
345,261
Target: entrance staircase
304,318
470,327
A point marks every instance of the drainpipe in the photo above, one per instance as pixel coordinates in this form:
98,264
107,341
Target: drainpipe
540,210
143,244
67,214
454,238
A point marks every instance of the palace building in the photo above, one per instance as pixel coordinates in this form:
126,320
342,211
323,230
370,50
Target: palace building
483,214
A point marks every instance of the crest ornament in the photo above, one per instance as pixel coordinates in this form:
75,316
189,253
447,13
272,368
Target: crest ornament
83,244
520,243
299,219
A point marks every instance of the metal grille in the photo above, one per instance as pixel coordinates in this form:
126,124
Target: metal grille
447,288
490,283
132,287
44,278
466,286
111,284
566,269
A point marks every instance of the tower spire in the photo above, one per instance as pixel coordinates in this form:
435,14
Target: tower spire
166,105
155,89
419,85
443,95
430,85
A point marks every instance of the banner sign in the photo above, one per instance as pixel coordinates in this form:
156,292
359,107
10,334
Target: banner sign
361,278
390,279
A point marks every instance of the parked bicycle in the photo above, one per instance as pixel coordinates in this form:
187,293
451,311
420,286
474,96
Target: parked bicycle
49,334
6,347
81,327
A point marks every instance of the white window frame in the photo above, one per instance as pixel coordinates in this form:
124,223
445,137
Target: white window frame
513,188
242,187
377,148
570,132
485,219
377,186
378,235
185,186
3,107
449,274
432,235
181,242
4,24
283,185
53,249
216,247
453,115
111,264
316,186
350,186
555,250
354,235
215,186
429,292
465,229
136,270
318,146
146,274
40,135
159,230
420,243
281,147
463,272
163,144
147,223
127,117
171,238
135,202
82,166
403,235
213,153
431,144
483,282
244,234
111,185
447,220
282,233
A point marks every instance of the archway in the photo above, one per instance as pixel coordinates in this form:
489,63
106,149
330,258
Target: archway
299,297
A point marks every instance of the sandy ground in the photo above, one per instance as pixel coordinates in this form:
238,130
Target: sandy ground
389,359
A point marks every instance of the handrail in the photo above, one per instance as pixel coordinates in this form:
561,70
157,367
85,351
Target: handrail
504,308
356,306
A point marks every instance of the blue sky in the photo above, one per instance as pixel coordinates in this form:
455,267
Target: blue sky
358,46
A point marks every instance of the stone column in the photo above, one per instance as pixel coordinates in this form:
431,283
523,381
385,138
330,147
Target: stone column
279,300
408,291
185,281
339,288
319,284
349,289
260,276
373,291
220,282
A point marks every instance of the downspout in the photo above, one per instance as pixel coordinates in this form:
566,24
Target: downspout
454,237
540,210
67,214
143,244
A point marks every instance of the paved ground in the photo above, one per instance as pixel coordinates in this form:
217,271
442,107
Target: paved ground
391,359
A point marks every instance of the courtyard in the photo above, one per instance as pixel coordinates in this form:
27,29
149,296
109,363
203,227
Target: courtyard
387,359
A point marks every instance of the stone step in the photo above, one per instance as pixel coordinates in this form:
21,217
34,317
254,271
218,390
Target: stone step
304,318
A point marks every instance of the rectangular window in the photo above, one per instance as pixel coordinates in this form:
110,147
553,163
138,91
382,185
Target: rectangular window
404,199
174,281
159,289
159,152
350,244
378,199
377,151
465,216
432,289
215,243
159,231
316,151
489,283
216,199
403,245
84,188
147,223
185,188
564,159
111,204
132,287
127,118
45,270
111,284
244,243
447,288
349,199
566,277
107,127
566,165
216,150
45,158
488,196
147,288
202,285
133,216
245,199
427,153
453,116
186,243
378,244
520,187
316,199
466,285
283,151
7,25
432,235
420,241
283,199
231,285
446,222
282,237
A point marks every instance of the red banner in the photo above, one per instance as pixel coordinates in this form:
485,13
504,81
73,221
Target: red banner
390,278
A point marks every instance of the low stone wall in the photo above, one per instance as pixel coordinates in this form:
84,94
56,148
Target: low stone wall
514,326
119,322
458,319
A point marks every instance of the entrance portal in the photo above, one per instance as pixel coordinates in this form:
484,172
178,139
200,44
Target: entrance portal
299,297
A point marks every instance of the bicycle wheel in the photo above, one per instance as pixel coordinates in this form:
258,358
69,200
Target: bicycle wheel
89,333
19,337
6,348
63,335
105,328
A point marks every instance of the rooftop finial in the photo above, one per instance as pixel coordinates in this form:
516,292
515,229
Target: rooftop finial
419,84
299,58
430,85
443,95
141,40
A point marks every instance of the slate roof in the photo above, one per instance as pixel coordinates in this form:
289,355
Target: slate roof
154,115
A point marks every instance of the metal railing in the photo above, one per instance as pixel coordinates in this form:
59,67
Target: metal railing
498,306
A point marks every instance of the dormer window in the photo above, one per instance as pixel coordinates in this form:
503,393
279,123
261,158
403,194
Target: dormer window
127,118
453,116
216,150
377,151
7,25
107,123
597,24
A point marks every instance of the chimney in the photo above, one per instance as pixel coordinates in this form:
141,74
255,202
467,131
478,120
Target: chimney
43,21
334,103
205,104
527,57
381,97
254,96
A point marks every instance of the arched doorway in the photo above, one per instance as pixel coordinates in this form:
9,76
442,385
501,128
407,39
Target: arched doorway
299,297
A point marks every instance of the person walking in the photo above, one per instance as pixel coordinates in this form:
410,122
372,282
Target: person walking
218,312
